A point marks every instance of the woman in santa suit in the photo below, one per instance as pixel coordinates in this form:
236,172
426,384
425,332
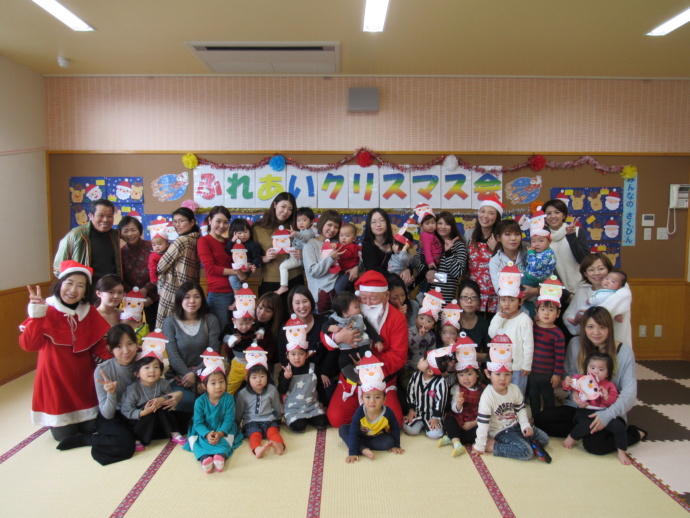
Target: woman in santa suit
67,332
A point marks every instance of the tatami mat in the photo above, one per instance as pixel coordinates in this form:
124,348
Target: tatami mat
42,481
585,484
274,485
15,412
423,481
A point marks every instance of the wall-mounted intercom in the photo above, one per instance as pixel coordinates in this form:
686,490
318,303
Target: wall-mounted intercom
678,198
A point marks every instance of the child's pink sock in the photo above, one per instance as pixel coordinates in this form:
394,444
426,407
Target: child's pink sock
219,462
207,465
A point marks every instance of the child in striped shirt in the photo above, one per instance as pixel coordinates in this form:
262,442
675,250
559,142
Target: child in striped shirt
547,361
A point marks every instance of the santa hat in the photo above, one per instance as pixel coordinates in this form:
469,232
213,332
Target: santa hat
428,312
493,202
613,195
239,246
372,281
244,291
294,322
508,285
280,233
370,361
90,187
134,213
158,234
124,184
257,358
134,294
156,336
563,197
69,267
424,211
551,289
537,224
451,323
463,341
612,223
502,345
153,350
211,354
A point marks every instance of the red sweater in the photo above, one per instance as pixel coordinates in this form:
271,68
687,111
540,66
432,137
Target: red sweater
214,258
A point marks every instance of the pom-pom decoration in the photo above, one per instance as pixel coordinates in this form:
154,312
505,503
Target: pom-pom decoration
451,163
629,172
535,205
190,161
537,162
277,163
364,158
191,205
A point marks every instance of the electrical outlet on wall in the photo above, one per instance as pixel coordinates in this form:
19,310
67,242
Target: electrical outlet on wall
643,332
661,233
657,331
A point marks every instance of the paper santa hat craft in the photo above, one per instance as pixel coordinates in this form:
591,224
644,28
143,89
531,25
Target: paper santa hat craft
296,333
537,224
153,345
212,362
244,303
500,353
437,359
465,352
432,301
371,373
422,210
133,304
451,312
551,289
238,246
280,233
255,355
509,281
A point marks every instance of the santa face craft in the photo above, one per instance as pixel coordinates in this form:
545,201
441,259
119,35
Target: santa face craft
281,240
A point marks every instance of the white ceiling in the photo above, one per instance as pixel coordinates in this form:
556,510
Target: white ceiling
585,38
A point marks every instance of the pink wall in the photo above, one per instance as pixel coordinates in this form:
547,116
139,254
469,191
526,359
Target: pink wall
416,114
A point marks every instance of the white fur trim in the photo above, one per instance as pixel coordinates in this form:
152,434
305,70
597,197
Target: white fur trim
493,205
37,310
375,289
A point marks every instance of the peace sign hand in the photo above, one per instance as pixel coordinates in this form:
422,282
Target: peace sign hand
35,297
570,229
287,372
109,386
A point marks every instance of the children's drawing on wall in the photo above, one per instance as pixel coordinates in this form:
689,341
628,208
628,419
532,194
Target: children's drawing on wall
170,187
136,210
154,224
122,189
523,190
486,184
78,215
610,250
86,189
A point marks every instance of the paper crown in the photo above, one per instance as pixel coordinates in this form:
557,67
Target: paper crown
400,238
212,362
428,312
451,312
551,289
422,210
296,334
465,352
244,291
135,293
70,267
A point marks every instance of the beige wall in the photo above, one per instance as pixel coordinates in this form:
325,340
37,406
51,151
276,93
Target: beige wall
23,195
416,114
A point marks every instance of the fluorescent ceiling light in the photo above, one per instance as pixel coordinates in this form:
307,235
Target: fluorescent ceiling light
64,15
375,15
671,25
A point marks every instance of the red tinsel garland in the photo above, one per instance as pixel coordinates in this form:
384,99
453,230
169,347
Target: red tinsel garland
365,157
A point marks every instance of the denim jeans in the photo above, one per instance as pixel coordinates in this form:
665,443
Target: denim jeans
513,444
218,306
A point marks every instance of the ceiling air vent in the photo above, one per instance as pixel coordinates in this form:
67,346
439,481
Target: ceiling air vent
269,57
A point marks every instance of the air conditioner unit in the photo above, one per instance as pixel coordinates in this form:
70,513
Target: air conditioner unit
269,57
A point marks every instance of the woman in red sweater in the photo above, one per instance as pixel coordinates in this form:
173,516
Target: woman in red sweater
217,262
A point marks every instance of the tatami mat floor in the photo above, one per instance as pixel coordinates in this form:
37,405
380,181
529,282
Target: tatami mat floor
312,479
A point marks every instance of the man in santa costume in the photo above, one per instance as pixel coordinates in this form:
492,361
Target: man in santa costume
392,326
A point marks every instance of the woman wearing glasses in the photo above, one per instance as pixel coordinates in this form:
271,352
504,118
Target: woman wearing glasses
470,322
180,262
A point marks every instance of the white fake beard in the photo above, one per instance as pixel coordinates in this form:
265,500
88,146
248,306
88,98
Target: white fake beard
376,315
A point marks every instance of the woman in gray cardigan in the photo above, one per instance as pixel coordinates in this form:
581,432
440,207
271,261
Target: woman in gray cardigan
189,331
320,280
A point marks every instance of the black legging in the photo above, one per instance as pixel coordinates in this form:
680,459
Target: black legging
455,431
559,421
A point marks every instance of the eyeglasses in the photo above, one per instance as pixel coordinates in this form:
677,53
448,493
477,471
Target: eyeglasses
179,221
469,299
